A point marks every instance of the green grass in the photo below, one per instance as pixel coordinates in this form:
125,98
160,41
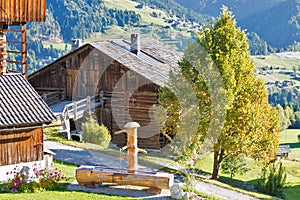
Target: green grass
277,77
69,171
146,18
275,61
292,164
60,46
66,195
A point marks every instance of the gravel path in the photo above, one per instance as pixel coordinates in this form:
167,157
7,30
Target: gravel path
221,192
80,156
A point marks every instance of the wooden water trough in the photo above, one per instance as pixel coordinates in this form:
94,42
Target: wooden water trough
156,181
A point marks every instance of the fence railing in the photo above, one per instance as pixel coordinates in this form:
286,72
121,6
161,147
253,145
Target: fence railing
52,97
77,109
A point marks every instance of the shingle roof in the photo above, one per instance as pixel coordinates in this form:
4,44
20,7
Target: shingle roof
20,104
154,61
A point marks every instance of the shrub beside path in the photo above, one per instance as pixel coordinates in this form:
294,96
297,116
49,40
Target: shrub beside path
80,156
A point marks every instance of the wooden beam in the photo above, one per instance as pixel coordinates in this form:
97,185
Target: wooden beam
13,61
43,10
16,52
24,52
14,41
13,31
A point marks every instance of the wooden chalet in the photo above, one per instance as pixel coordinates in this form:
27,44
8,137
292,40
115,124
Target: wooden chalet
13,17
22,116
128,72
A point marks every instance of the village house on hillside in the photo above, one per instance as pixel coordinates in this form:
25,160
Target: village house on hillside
128,72
22,116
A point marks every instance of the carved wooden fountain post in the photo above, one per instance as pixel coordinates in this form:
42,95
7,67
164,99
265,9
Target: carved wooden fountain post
156,181
132,148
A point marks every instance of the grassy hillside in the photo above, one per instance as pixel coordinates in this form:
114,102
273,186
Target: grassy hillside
153,22
277,60
286,60
146,18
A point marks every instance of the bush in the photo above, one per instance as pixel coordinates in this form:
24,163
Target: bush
273,179
299,137
233,166
94,133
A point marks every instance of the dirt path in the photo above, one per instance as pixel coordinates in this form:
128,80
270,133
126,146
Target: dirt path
80,156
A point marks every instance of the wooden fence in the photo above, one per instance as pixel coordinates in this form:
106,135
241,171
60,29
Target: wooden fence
53,97
77,109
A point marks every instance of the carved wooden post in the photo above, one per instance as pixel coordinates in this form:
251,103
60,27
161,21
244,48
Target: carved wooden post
132,148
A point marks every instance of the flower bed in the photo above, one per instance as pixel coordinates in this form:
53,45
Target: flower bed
42,179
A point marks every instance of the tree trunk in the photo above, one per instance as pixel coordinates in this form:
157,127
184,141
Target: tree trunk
216,166
218,157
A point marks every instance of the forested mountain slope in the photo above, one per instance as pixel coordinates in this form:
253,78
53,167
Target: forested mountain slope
275,21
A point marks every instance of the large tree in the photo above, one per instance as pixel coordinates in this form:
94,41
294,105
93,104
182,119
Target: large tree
249,125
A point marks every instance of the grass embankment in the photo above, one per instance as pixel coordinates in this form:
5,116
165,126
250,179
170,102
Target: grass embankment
275,61
69,171
292,164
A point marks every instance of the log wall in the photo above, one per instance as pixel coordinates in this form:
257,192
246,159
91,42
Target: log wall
17,147
18,11
85,72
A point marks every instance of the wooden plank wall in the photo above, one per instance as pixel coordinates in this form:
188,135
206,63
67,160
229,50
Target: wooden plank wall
140,105
50,79
76,75
17,147
17,11
83,80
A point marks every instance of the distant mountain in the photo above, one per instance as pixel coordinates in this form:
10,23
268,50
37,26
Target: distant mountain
173,7
275,21
241,8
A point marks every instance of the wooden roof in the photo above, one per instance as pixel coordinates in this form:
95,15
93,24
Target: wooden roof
154,61
18,11
20,104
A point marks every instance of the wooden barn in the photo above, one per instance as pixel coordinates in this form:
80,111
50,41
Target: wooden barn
13,17
128,72
22,116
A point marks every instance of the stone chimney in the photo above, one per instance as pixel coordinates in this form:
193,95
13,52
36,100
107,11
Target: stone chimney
2,54
76,43
135,45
